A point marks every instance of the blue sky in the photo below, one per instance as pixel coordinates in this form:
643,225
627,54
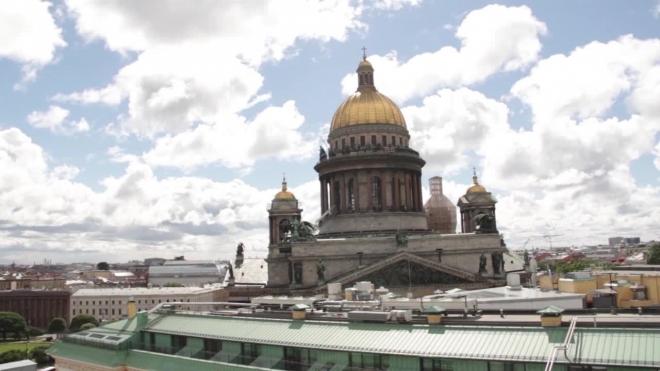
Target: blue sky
116,191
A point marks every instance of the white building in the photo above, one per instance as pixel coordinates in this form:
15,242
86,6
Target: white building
186,272
111,303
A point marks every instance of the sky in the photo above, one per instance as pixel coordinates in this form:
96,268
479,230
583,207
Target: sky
161,128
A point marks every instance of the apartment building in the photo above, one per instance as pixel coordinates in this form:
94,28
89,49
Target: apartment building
111,303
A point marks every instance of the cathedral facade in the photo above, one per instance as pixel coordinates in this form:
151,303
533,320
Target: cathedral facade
374,224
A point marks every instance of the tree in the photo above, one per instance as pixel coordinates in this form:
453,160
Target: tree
39,355
87,326
172,284
33,332
653,256
103,266
11,322
80,320
12,356
57,326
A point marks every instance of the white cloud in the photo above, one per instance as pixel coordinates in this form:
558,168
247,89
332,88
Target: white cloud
55,119
493,39
395,4
588,81
656,10
451,124
29,35
235,143
44,211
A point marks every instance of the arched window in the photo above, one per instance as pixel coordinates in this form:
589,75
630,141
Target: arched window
285,230
361,79
375,193
413,200
351,196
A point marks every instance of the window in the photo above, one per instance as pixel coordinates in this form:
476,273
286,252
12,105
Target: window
352,142
86,311
393,140
250,352
368,360
94,302
113,302
373,140
337,196
212,346
86,302
152,338
296,358
343,143
375,191
159,301
139,301
113,311
500,366
179,342
362,140
401,141
93,312
435,364
384,140
153,301
285,230
119,310
74,312
106,302
74,303
168,300
336,144
120,302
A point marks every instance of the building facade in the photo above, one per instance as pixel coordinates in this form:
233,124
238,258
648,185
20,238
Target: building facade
38,307
373,225
32,283
110,304
186,272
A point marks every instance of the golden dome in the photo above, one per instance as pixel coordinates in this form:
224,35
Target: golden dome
476,188
367,107
284,194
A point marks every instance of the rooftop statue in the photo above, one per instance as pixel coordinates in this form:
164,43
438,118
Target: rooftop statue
401,239
239,249
485,223
320,270
302,231
482,263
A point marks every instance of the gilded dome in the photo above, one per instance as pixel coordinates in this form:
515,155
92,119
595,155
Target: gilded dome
367,105
476,188
284,194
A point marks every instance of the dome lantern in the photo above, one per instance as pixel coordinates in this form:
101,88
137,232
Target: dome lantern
476,187
284,193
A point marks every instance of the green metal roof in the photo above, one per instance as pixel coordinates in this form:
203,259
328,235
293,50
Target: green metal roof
552,309
602,346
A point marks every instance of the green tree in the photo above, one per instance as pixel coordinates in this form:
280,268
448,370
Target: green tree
57,326
11,322
39,355
87,326
653,256
12,356
80,320
103,266
173,284
33,332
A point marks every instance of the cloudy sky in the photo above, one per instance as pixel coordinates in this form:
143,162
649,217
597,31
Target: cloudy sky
162,127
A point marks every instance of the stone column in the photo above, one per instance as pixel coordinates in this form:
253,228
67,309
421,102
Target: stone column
322,182
406,188
370,201
419,189
383,187
342,192
395,184
415,196
356,189
333,196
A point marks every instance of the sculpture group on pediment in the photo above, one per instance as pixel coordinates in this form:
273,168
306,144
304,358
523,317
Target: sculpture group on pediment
302,231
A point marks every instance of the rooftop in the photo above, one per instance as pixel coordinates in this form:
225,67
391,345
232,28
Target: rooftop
137,291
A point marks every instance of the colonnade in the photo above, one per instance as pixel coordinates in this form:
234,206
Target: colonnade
341,191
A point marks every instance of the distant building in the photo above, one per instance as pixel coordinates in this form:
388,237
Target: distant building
440,211
110,304
632,240
24,365
614,241
154,261
186,272
32,283
38,307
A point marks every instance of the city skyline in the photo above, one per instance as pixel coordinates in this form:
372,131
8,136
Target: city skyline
130,132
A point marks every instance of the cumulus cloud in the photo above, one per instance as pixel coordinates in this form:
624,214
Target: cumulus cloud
29,36
235,143
493,39
55,119
43,210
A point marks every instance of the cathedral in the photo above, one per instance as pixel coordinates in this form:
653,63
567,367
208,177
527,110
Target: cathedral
374,225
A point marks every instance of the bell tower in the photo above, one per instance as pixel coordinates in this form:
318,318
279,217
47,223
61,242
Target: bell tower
476,201
282,211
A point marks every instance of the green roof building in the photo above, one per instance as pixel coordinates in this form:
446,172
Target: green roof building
177,341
